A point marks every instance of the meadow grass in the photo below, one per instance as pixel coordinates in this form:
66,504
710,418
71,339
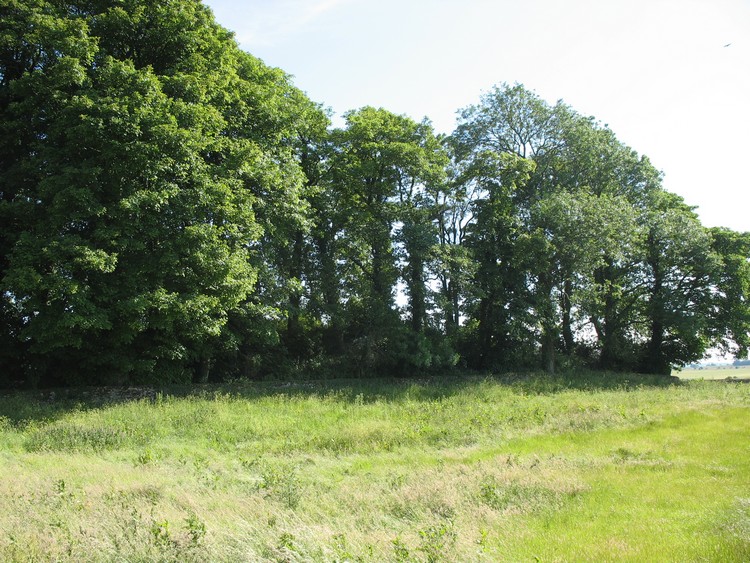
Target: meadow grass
716,372
590,467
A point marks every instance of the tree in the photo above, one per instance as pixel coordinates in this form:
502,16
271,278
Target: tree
378,224
365,165
500,283
678,269
730,311
576,234
509,121
419,178
32,40
616,184
580,170
145,142
452,265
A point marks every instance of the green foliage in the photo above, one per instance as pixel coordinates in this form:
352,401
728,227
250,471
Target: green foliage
584,241
681,270
372,226
196,529
400,551
175,211
436,542
282,483
730,323
163,156
496,241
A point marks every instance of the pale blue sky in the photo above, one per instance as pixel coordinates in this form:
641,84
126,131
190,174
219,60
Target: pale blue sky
656,71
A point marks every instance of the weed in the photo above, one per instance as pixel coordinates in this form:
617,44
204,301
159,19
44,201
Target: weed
404,509
436,541
342,550
67,437
286,541
281,482
400,551
441,508
250,463
196,529
160,533
210,479
206,475
396,481
482,540
60,487
145,458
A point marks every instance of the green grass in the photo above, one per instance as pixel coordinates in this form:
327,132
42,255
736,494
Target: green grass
715,372
595,468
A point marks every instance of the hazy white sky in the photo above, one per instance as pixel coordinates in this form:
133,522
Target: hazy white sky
670,77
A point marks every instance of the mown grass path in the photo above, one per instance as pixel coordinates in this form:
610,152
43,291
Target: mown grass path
589,468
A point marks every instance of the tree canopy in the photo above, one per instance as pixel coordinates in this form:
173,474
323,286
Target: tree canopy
175,210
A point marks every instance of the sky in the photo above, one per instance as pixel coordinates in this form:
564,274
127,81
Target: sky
671,78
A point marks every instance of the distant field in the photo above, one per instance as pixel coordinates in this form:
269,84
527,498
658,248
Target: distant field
742,372
597,468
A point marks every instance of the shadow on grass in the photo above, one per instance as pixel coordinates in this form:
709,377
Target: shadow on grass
26,407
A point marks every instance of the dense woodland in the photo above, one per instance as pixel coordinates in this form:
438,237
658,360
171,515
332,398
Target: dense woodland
174,210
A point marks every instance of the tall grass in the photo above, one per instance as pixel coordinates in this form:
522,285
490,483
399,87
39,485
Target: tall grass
589,467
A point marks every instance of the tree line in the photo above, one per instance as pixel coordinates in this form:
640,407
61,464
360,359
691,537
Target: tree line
174,210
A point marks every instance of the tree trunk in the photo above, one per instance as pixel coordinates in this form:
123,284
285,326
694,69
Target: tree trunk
548,350
567,329
656,361
333,338
417,295
294,339
485,331
203,371
546,311
455,296
607,329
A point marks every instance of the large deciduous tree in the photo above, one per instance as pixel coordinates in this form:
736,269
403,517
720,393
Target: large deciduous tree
146,157
380,226
730,311
500,289
591,245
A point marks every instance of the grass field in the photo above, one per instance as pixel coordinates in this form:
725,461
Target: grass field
526,468
713,372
